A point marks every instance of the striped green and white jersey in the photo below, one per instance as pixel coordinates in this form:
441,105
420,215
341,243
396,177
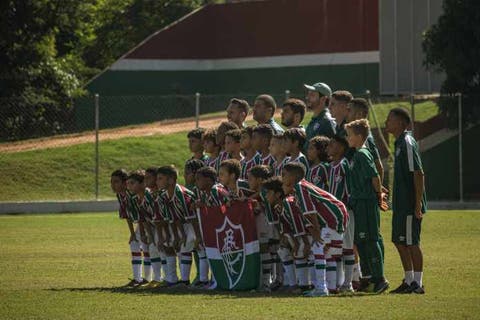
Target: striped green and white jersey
338,180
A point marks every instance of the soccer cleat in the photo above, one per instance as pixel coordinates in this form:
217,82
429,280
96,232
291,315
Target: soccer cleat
415,288
133,284
401,288
166,284
364,285
381,286
316,293
153,284
264,288
333,291
356,285
345,288
275,285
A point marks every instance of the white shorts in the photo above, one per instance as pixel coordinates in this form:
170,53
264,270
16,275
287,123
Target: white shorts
348,236
265,231
334,240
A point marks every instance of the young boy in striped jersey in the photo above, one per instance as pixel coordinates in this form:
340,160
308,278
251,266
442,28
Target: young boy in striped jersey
251,156
328,218
211,147
278,152
338,186
136,186
366,198
293,141
228,176
223,128
118,182
180,201
191,168
266,221
195,144
318,157
261,136
294,245
232,144
212,194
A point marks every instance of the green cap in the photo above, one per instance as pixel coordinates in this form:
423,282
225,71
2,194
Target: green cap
319,87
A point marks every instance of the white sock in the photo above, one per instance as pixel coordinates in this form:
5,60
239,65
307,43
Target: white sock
331,274
408,277
301,272
136,261
185,265
340,272
203,266
285,256
147,265
155,261
320,265
266,268
277,267
417,277
171,269
357,273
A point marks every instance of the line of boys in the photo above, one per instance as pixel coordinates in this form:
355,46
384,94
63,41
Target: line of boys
306,232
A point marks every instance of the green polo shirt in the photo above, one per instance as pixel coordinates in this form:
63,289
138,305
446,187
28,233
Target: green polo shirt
362,171
407,161
321,125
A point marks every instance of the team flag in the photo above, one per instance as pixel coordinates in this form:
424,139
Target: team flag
231,245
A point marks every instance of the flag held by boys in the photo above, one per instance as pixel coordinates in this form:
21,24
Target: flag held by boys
231,244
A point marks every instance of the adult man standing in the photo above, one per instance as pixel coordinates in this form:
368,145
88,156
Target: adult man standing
237,111
263,111
409,201
317,100
293,111
339,109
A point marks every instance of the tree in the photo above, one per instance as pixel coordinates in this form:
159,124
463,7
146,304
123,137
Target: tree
452,46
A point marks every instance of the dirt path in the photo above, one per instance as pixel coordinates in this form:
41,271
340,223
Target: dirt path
161,127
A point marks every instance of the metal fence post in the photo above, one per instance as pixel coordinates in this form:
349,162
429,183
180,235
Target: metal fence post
460,148
412,111
197,109
287,94
97,126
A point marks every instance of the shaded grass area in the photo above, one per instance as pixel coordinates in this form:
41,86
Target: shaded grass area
71,266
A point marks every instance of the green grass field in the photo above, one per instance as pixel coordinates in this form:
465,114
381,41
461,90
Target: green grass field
67,173
70,266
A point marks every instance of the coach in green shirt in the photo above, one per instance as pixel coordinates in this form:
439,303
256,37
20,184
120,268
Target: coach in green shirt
317,100
409,201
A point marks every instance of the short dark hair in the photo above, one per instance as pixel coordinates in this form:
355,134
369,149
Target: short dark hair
196,133
137,175
265,130
210,135
295,168
169,171
208,172
320,143
269,101
248,130
241,104
232,166
341,140
274,184
360,104
296,134
120,173
152,171
235,134
226,126
297,106
193,165
278,136
261,171
402,114
342,95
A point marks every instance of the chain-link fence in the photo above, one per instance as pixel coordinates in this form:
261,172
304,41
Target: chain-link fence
52,154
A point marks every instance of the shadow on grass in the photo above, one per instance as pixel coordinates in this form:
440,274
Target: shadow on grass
195,291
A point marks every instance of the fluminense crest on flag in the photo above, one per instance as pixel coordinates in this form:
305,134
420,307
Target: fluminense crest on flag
231,243
233,251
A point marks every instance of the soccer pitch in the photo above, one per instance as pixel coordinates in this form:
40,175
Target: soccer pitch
70,266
